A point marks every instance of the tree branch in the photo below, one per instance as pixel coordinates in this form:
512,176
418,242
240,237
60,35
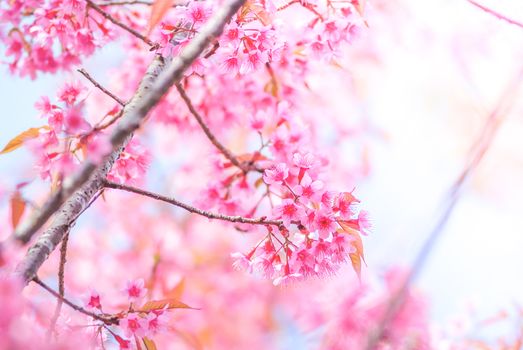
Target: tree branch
228,154
77,190
118,23
100,87
496,14
108,320
237,219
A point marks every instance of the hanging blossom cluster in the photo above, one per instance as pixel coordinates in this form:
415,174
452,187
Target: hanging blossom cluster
138,320
262,33
47,36
254,77
68,139
318,229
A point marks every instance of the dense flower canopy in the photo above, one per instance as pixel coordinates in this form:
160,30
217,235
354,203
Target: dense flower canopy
253,228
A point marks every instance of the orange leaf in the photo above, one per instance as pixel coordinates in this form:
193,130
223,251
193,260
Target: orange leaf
21,138
158,11
258,182
149,344
360,6
17,208
356,264
164,303
271,88
351,231
177,291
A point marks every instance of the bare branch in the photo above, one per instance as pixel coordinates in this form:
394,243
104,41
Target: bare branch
496,14
228,154
106,319
77,190
119,24
237,219
100,87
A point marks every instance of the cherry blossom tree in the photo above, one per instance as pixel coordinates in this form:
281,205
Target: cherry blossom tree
198,193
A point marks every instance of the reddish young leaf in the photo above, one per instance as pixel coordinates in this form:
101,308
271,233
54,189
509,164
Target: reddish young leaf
177,291
351,231
359,5
17,208
19,139
160,304
158,11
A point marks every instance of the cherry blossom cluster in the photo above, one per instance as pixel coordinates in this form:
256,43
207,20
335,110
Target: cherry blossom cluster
55,147
68,138
47,36
262,34
139,320
320,229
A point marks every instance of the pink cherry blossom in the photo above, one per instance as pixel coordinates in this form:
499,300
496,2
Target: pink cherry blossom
135,290
74,122
70,93
308,188
364,224
305,161
276,174
98,147
325,223
92,300
288,211
134,325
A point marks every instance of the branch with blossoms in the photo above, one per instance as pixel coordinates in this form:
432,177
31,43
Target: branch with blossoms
154,85
138,322
279,188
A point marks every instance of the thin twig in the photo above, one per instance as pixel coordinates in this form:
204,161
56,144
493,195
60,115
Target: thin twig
100,87
496,14
228,154
238,219
478,152
61,284
119,24
109,320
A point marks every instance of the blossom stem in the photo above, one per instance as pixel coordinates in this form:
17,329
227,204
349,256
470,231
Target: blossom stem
109,320
237,219
100,87
226,152
119,24
496,14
